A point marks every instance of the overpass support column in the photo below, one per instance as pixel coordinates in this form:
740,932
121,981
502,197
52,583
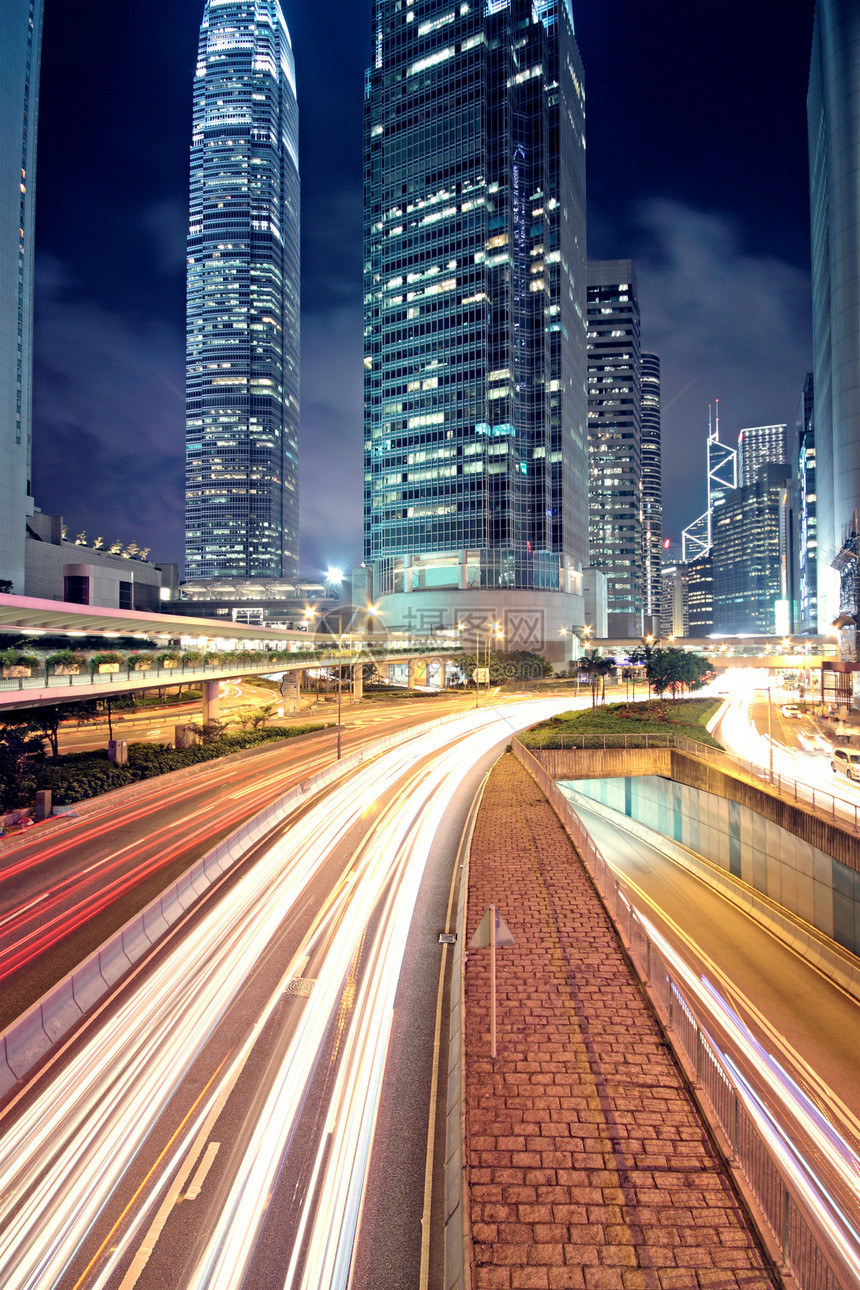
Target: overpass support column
417,672
291,691
211,697
357,682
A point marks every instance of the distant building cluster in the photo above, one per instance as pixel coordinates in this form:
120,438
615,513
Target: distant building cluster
512,428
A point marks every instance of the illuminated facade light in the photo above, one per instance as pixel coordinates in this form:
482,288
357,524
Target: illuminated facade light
242,373
20,47
475,217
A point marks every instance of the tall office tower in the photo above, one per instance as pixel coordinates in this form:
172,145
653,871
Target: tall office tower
833,106
805,508
748,555
760,446
615,496
652,483
674,617
722,481
475,437
242,362
699,576
20,49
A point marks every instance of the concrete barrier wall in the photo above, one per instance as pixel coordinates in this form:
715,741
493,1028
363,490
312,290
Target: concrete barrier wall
789,870
28,1040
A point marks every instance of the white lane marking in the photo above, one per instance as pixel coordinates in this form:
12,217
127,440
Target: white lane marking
202,1170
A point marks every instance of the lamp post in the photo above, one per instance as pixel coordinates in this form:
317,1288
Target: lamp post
770,730
335,578
339,678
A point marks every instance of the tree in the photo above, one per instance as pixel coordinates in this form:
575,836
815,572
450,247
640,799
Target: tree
19,751
45,722
598,668
256,717
673,669
636,659
6,586
208,731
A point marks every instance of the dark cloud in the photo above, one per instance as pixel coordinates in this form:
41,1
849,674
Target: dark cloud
331,496
728,324
109,413
724,297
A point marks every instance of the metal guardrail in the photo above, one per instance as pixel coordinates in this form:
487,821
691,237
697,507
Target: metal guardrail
787,1228
186,673
839,810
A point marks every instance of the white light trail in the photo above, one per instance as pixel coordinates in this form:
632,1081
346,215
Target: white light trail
63,1158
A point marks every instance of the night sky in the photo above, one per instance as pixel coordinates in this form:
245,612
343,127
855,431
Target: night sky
697,170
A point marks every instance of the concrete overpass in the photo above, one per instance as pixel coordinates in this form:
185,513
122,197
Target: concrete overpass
33,618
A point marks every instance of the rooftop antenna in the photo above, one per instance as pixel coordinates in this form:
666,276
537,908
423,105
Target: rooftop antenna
717,432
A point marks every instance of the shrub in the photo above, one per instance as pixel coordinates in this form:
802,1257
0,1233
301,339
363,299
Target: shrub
138,660
110,656
65,658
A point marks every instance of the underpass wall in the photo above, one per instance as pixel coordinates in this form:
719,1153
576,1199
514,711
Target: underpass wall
789,869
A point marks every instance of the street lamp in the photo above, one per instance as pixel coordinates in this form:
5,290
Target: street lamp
770,730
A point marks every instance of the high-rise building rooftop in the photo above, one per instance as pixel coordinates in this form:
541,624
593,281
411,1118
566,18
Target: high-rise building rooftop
475,411
20,49
242,379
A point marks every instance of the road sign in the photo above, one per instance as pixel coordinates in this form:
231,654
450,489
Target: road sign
483,938
492,931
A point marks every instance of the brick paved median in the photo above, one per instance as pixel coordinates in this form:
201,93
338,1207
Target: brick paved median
587,1163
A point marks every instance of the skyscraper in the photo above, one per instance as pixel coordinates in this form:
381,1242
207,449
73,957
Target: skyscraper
748,553
833,106
652,484
758,446
805,509
722,481
242,367
475,436
20,49
615,502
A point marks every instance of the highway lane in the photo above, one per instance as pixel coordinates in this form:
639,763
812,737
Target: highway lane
769,1009
214,1125
66,884
807,765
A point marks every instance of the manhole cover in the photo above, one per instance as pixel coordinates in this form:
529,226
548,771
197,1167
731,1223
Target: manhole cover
447,938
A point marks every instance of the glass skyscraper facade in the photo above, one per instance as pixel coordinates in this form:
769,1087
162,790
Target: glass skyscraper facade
833,107
652,483
758,446
20,48
475,405
805,508
242,369
615,499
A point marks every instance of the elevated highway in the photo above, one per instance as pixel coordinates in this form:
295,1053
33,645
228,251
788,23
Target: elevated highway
312,650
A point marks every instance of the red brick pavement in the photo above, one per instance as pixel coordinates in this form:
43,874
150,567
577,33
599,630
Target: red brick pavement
587,1163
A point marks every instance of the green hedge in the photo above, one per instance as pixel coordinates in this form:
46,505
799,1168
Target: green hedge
687,717
78,776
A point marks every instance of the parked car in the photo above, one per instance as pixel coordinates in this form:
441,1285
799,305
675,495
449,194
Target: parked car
790,710
846,761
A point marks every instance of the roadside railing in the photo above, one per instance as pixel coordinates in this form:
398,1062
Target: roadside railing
839,810
793,1233
43,678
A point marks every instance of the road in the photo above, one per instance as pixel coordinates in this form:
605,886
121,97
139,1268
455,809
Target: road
800,754
67,884
793,1034
238,697
214,1124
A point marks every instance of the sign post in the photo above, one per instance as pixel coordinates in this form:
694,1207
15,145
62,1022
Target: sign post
492,931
